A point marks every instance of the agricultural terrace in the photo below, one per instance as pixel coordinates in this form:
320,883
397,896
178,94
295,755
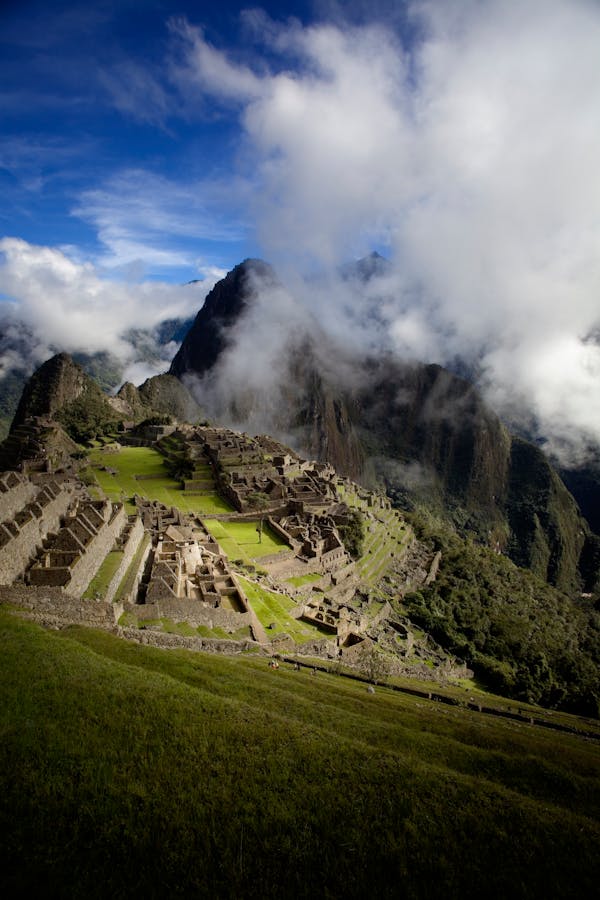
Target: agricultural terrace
99,584
240,540
387,535
142,470
273,610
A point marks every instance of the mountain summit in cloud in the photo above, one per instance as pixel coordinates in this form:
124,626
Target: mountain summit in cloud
420,431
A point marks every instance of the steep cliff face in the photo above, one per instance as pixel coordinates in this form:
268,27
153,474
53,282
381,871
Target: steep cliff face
322,416
424,414
547,531
207,338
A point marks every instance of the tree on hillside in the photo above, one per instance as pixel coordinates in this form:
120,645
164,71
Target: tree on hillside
353,534
374,664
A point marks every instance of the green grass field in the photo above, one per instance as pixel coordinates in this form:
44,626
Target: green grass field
129,771
240,540
99,583
155,484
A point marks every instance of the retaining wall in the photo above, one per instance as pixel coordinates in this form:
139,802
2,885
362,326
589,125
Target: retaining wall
54,607
16,491
129,550
193,612
25,541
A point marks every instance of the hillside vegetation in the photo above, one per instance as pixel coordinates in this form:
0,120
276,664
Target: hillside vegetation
129,771
523,637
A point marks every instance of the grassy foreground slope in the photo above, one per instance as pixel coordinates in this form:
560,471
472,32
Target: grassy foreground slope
129,771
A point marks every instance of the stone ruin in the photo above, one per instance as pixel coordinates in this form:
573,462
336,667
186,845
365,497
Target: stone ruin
256,473
30,513
73,556
187,562
53,536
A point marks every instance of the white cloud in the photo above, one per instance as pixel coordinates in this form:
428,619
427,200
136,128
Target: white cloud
150,220
137,92
67,305
202,64
473,154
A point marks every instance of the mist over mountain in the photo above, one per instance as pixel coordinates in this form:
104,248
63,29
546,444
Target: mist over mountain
316,361
257,359
21,352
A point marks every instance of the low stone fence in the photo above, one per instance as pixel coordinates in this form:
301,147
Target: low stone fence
180,642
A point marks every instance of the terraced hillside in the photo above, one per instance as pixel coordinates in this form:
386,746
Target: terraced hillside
387,535
292,596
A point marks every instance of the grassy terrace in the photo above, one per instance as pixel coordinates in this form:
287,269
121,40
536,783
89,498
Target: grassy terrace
299,580
129,771
273,608
388,537
240,540
141,470
129,577
102,578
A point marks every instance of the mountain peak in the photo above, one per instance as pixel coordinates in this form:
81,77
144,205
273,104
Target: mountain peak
57,382
365,268
224,304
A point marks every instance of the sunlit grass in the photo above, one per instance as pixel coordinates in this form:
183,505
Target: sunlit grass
299,580
273,608
242,540
100,582
155,483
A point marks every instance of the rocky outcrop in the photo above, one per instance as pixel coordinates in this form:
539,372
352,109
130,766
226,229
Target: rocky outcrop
159,395
56,383
207,338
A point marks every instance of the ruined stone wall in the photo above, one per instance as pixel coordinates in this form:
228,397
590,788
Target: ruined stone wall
285,535
84,570
129,550
177,642
332,559
27,539
54,576
51,606
16,491
180,609
433,569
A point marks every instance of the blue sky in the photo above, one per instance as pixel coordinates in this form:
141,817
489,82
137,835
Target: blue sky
90,120
146,144
108,148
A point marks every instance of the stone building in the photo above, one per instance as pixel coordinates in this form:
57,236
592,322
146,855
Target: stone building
75,554
34,513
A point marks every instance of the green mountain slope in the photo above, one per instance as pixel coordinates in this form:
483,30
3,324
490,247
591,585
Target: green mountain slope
129,771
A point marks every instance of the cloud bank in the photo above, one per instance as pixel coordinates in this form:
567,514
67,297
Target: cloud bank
52,302
471,153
